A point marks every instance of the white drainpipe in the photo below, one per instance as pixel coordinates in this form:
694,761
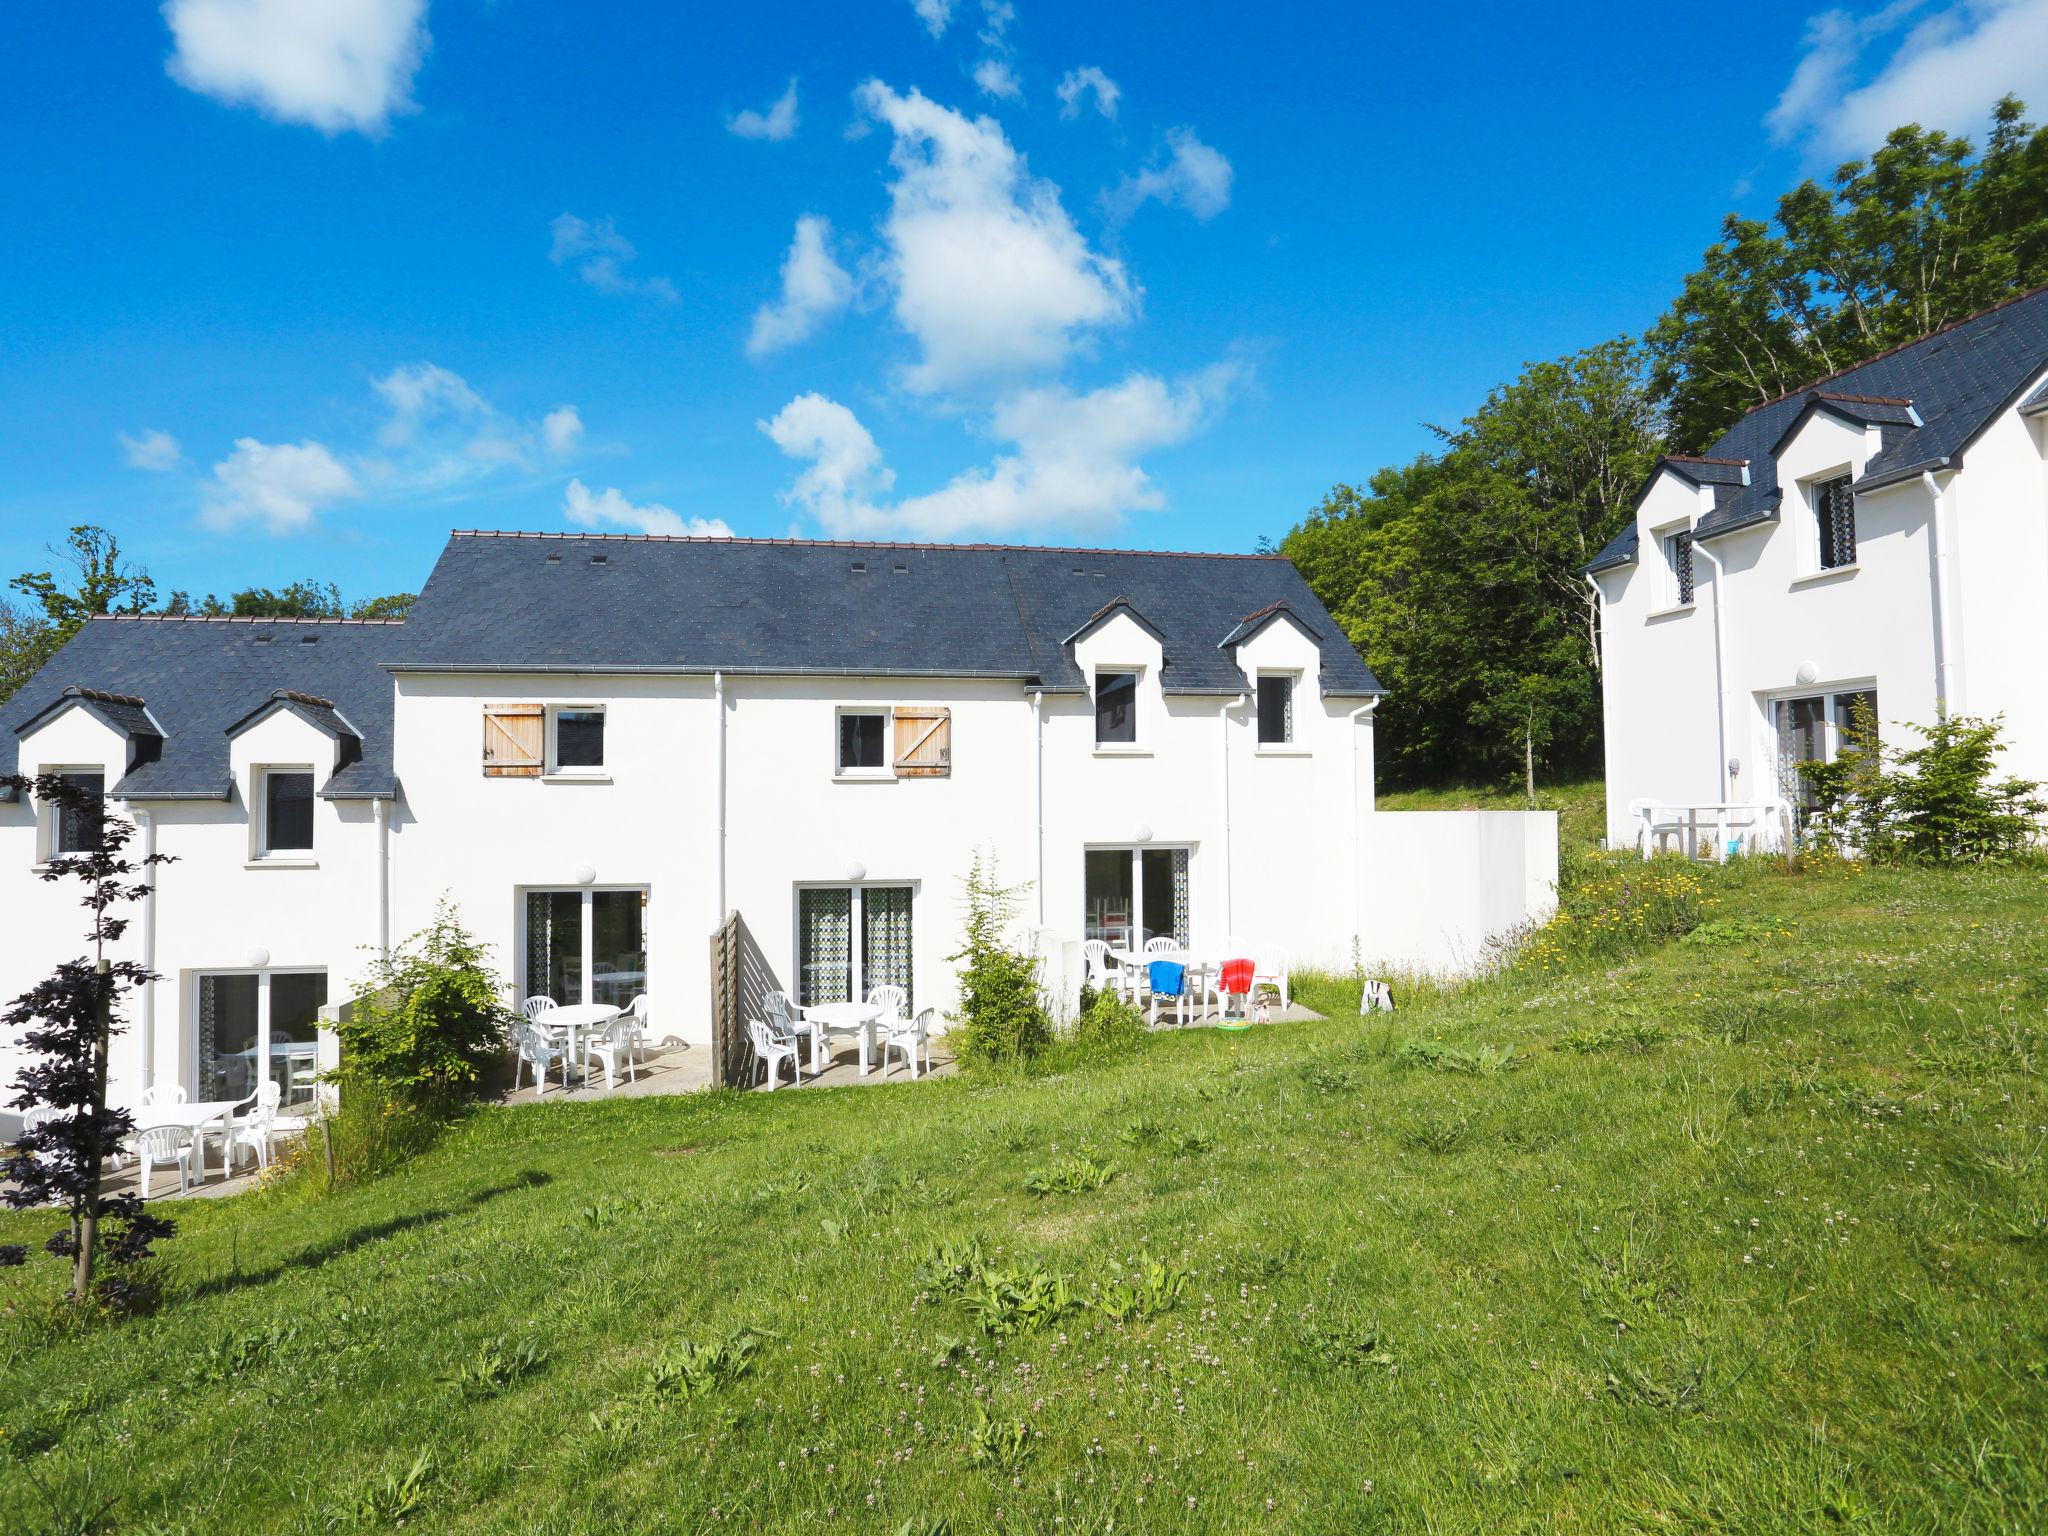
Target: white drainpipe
1223,720
1038,764
1357,827
1720,669
147,1033
380,810
718,695
1944,652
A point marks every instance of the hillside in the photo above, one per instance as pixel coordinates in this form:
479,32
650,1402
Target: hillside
1745,1233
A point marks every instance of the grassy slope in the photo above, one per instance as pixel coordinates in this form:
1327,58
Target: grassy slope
1581,805
1773,1264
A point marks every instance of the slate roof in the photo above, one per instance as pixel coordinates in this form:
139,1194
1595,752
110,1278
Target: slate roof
124,712
1929,398
197,678
612,602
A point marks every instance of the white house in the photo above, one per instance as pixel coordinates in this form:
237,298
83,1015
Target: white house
598,746
1881,534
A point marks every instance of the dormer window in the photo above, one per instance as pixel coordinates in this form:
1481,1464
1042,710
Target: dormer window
1116,708
287,829
80,828
1276,709
1834,510
1678,564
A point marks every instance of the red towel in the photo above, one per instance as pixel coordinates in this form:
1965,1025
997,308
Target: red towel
1237,975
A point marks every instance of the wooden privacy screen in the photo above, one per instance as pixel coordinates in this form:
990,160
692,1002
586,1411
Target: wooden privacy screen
740,979
924,742
513,740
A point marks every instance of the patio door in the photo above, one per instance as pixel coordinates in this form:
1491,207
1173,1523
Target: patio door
1134,894
585,946
254,1024
850,939
1814,728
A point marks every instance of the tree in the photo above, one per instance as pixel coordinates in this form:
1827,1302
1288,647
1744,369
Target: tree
429,1023
1001,1017
104,584
69,1020
1921,234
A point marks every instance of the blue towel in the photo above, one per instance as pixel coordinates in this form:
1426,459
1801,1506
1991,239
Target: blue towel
1168,977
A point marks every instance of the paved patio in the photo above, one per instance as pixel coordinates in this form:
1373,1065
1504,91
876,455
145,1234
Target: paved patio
677,1067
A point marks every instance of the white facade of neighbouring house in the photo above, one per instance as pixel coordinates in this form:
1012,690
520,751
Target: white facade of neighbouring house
596,748
1880,537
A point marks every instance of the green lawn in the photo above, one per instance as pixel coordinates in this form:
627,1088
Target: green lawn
1749,1235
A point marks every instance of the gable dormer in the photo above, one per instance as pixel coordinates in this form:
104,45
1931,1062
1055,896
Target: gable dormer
93,725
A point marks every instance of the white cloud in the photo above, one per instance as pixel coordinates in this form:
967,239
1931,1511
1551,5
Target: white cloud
599,253
610,506
1074,461
776,124
814,288
1860,77
422,394
283,486
149,449
987,272
336,65
561,430
1088,80
996,78
996,16
1194,176
936,15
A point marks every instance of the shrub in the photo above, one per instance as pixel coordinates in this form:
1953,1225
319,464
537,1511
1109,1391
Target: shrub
1932,804
1618,904
430,1023
1109,1027
1001,1018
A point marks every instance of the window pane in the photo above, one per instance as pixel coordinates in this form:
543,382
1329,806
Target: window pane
554,945
227,1036
1847,707
1166,893
1106,890
296,999
579,738
1800,740
1834,503
824,951
1116,706
78,831
618,948
885,937
287,812
860,741
1276,709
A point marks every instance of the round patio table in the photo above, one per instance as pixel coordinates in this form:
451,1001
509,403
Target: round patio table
858,1017
576,1019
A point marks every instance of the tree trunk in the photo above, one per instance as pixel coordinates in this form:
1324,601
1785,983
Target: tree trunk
1529,757
89,1219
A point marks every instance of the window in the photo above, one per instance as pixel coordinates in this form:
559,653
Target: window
1116,708
831,967
254,1024
585,946
1678,559
1276,709
1834,509
512,741
78,829
1816,728
1134,894
863,738
577,738
287,811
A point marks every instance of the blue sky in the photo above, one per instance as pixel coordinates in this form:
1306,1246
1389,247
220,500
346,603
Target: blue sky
295,286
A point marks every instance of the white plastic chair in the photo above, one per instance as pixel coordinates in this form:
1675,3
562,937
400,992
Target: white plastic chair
1654,822
1101,971
533,1048
787,1023
891,997
252,1131
161,1094
913,1040
163,1146
1269,968
610,1047
771,1053
636,1026
1163,945
1180,997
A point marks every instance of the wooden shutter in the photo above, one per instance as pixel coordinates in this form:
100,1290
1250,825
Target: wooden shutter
924,742
513,740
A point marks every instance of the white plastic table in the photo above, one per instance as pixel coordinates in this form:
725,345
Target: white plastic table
574,1019
860,1018
198,1118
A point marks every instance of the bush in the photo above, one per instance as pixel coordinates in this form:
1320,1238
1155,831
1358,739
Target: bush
1001,1018
1617,904
430,1024
1108,1027
1932,804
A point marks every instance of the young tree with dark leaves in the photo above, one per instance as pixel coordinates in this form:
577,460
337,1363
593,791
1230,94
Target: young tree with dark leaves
68,1020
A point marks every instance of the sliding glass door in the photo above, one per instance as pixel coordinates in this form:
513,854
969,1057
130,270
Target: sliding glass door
1815,729
851,939
1134,894
585,946
254,1025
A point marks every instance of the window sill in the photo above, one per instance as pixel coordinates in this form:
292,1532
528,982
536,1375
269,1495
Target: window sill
1123,751
1822,578
1280,749
292,863
1675,611
580,776
864,776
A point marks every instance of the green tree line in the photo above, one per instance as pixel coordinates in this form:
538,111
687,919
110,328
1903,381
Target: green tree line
89,577
1457,574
